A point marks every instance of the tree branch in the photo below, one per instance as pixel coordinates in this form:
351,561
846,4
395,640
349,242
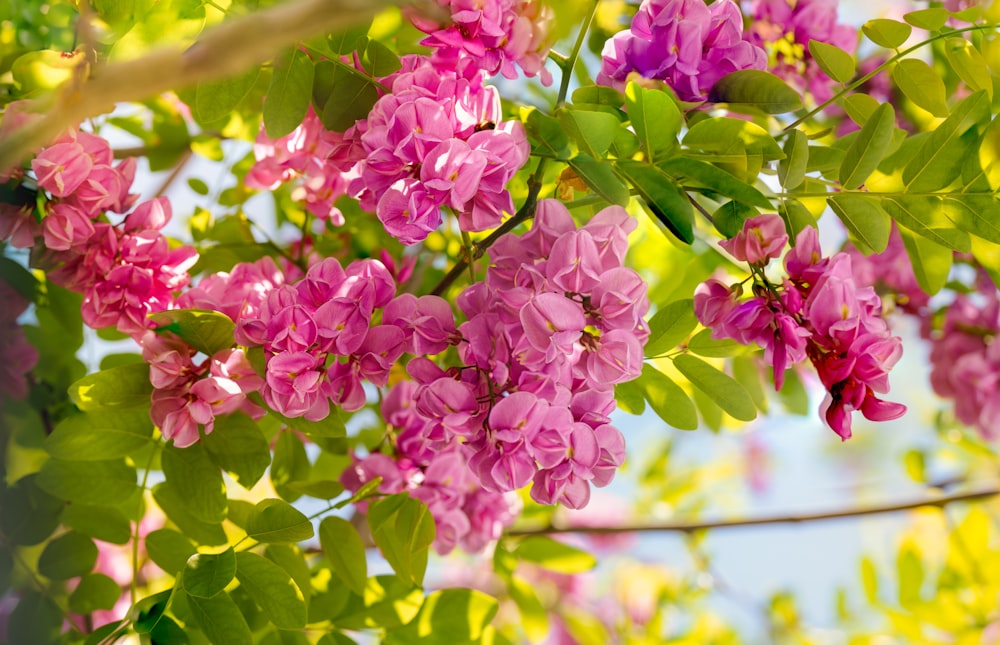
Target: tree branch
220,52
689,527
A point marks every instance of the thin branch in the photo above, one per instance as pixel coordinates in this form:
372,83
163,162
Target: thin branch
222,51
689,527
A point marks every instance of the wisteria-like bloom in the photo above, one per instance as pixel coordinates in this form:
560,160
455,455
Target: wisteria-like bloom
819,312
496,34
685,43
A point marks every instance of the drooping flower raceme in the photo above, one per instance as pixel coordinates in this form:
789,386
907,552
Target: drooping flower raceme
685,43
819,312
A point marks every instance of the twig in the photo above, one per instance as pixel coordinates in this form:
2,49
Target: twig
689,527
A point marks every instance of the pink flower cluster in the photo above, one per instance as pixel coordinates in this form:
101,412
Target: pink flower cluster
434,469
785,27
819,312
17,355
496,34
892,273
684,43
436,141
965,360
125,271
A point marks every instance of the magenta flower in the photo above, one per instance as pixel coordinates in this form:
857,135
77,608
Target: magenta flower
762,238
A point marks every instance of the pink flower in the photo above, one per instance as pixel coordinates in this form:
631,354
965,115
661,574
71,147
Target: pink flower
763,237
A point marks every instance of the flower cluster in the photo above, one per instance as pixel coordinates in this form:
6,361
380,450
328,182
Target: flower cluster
434,470
435,141
125,271
785,27
496,34
819,312
892,273
684,43
17,355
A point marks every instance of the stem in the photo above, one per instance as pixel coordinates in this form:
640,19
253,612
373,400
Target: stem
689,527
569,62
351,69
135,536
892,59
172,177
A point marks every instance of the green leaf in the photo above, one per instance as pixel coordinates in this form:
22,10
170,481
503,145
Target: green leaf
630,397
349,40
68,556
989,154
96,591
289,93
598,95
860,107
126,386
939,161
100,435
22,280
724,136
88,482
238,446
273,589
969,64
869,580
274,520
594,132
746,371
864,218
30,514
792,169
345,551
796,217
207,574
931,262
378,60
35,618
197,481
601,178
351,98
318,488
721,388
175,508
868,149
149,611
220,620
453,616
910,571
215,100
534,617
728,219
293,560
922,85
403,530
290,464
330,427
670,327
207,331
930,19
667,399
546,134
834,61
717,180
655,118
169,550
925,216
554,555
887,33
758,88
793,394
668,202
703,344
104,523
389,602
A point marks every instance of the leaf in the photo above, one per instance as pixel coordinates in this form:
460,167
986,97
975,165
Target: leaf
793,394
717,180
293,560
273,589
871,144
969,65
864,218
173,506
351,98
746,371
931,262
930,19
598,95
725,136
670,327
169,550
792,169
554,555
594,132
238,446
939,161
601,178
667,399
105,523
989,154
887,33
126,386
289,93
924,216
655,118
703,344
215,100
546,134
220,620
290,464
349,40
729,218
758,88
911,575
330,426
378,60
345,551
869,580
454,616
274,520
30,514
68,556
668,202
197,481
96,591
207,574
403,530
860,107
35,618
88,482
720,387
100,435
922,85
834,61
630,397
207,331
